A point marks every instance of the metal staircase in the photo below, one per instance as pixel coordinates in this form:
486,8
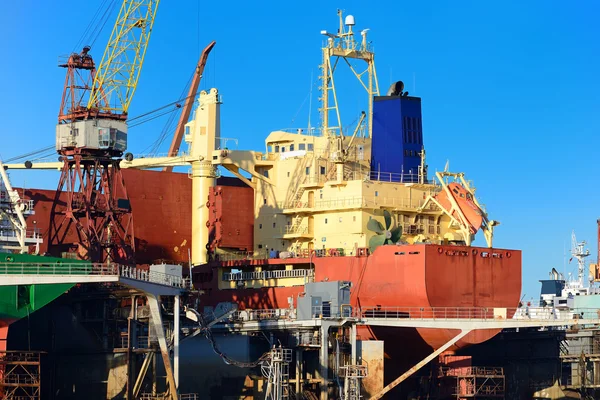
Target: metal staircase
277,372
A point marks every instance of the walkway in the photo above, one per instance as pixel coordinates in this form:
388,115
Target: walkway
39,274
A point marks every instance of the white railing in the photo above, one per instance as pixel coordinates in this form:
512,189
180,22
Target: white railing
89,269
261,275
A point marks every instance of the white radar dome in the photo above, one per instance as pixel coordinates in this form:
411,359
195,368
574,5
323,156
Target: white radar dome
350,20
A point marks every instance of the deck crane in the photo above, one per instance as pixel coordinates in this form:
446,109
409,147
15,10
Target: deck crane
188,104
91,137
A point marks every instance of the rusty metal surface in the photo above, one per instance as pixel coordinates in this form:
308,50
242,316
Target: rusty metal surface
370,353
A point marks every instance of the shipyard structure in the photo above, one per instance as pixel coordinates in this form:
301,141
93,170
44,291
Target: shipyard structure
330,264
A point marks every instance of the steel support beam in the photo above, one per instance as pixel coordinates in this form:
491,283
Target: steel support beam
324,360
162,343
420,365
353,343
176,316
298,371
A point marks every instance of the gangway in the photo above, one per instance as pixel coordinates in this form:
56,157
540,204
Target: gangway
153,282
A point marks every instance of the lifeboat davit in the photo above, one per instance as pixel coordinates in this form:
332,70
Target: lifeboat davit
458,200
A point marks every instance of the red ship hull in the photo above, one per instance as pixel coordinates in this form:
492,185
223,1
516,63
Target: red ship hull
405,275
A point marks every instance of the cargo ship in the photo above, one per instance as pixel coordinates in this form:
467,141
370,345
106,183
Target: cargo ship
332,203
353,203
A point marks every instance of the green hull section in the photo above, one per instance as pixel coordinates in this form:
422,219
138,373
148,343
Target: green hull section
19,301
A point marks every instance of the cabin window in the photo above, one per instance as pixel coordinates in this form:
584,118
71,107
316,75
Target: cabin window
276,149
265,201
325,220
310,147
354,218
288,174
260,246
307,170
266,173
291,147
274,224
322,170
259,226
270,147
302,146
376,193
283,149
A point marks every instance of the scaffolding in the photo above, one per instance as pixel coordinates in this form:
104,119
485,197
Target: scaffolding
352,375
20,375
277,372
580,357
475,382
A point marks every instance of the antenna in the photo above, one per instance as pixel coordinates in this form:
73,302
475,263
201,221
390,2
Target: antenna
578,252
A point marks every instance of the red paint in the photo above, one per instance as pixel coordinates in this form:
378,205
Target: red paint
231,219
406,275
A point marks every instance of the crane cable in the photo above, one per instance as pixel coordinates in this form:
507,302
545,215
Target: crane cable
96,25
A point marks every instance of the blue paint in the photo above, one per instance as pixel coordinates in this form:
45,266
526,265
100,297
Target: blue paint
397,138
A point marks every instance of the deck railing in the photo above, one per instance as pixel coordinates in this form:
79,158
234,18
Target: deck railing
277,274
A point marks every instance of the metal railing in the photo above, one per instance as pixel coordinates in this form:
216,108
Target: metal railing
460,313
10,268
356,201
261,315
295,230
276,274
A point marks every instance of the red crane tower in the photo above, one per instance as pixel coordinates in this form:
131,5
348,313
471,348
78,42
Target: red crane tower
91,213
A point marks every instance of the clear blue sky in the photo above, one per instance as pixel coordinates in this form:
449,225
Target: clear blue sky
510,91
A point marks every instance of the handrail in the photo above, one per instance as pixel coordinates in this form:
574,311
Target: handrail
260,275
92,269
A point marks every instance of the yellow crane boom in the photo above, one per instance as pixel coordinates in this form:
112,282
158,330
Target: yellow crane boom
119,71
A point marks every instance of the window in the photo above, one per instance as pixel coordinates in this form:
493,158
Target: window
291,147
301,146
274,224
376,193
354,218
288,174
322,169
282,149
310,147
266,173
325,220
259,226
264,201
270,147
187,130
260,246
75,132
307,170
276,149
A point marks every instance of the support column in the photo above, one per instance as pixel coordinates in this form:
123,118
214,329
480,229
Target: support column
353,343
324,360
162,343
176,313
299,371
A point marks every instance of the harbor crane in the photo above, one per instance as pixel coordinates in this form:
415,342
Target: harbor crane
91,138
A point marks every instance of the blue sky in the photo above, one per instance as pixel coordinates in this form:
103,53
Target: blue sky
510,91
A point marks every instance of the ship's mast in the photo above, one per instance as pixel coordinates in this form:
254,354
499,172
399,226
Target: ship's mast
578,252
343,46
